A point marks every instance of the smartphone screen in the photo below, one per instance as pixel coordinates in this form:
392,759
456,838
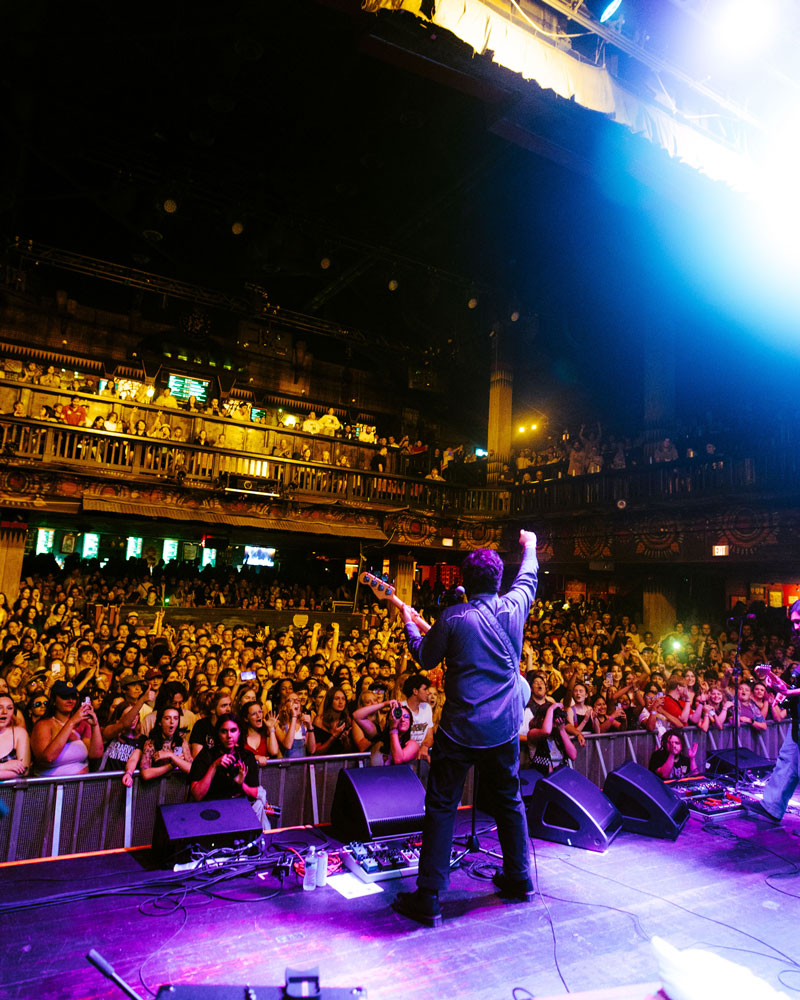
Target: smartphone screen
248,675
609,677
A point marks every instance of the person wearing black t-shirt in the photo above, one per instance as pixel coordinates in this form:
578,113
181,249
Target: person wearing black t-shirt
670,762
228,770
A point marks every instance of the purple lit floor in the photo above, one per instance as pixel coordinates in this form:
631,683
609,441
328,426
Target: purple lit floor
696,891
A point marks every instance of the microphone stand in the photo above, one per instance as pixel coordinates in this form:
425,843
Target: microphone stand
470,842
737,673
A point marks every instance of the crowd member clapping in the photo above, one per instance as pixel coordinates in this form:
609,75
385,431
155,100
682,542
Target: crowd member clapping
164,751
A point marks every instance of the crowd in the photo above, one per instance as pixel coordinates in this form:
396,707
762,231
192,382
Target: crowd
585,451
85,686
589,452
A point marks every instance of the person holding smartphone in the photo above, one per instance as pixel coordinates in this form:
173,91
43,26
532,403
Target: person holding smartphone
68,736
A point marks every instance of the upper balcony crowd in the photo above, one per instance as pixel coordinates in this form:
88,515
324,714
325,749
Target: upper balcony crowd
320,452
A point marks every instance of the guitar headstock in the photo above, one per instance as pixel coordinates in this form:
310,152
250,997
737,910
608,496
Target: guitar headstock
380,588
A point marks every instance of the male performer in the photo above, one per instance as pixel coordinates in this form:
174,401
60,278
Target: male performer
484,701
786,773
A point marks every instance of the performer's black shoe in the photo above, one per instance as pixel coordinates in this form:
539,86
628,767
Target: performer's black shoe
518,890
758,810
422,906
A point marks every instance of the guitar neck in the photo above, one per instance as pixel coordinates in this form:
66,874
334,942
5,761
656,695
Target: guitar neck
385,592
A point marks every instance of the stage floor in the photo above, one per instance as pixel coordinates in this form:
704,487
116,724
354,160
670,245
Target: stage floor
732,887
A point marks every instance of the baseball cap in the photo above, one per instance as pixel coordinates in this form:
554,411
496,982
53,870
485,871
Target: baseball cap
63,689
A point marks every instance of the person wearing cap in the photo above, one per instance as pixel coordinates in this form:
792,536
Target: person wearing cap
68,736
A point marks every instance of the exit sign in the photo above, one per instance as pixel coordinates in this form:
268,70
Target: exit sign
720,550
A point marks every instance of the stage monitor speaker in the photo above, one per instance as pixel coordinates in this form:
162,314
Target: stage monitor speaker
568,809
372,802
646,804
212,823
751,766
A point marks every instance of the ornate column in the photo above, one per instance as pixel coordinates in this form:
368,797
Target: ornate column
659,606
13,535
499,436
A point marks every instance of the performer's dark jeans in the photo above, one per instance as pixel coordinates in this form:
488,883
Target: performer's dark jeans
498,769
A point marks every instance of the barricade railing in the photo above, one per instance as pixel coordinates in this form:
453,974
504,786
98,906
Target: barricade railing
75,814
49,817
603,753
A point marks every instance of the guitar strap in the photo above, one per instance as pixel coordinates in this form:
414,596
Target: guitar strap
489,617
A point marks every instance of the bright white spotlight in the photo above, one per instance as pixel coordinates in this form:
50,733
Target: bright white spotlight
610,11
741,30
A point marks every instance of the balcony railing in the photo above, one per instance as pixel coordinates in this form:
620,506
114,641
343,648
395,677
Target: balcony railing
143,458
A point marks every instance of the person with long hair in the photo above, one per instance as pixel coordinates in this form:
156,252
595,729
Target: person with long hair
228,770
68,736
15,753
332,724
259,732
549,743
671,761
294,729
389,733
165,750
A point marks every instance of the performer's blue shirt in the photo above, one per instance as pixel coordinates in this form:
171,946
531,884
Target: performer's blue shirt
483,688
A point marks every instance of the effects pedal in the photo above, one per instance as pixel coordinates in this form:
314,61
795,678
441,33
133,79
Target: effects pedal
379,860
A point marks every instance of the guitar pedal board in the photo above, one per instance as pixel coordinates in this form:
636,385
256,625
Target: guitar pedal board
696,788
391,857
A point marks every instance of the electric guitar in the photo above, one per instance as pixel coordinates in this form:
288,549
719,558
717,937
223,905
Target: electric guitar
765,673
386,592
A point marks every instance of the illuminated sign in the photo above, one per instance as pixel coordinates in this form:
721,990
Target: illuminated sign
134,549
184,386
209,557
44,540
720,550
170,549
91,544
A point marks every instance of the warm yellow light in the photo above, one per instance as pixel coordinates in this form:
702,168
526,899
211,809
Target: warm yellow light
237,229
325,263
514,316
447,542
472,303
533,427
522,430
170,206
393,285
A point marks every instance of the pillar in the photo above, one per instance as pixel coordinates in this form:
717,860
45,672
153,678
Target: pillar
659,605
499,436
401,573
13,535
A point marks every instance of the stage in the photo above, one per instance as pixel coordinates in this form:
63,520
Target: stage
732,887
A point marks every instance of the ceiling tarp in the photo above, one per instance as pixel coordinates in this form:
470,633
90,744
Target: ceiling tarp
206,516
488,29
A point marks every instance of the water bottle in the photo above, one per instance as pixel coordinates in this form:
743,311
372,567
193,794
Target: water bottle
322,867
310,873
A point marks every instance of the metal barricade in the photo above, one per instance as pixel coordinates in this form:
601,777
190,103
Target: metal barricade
74,814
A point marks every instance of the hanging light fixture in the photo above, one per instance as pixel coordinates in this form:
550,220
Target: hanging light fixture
602,10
